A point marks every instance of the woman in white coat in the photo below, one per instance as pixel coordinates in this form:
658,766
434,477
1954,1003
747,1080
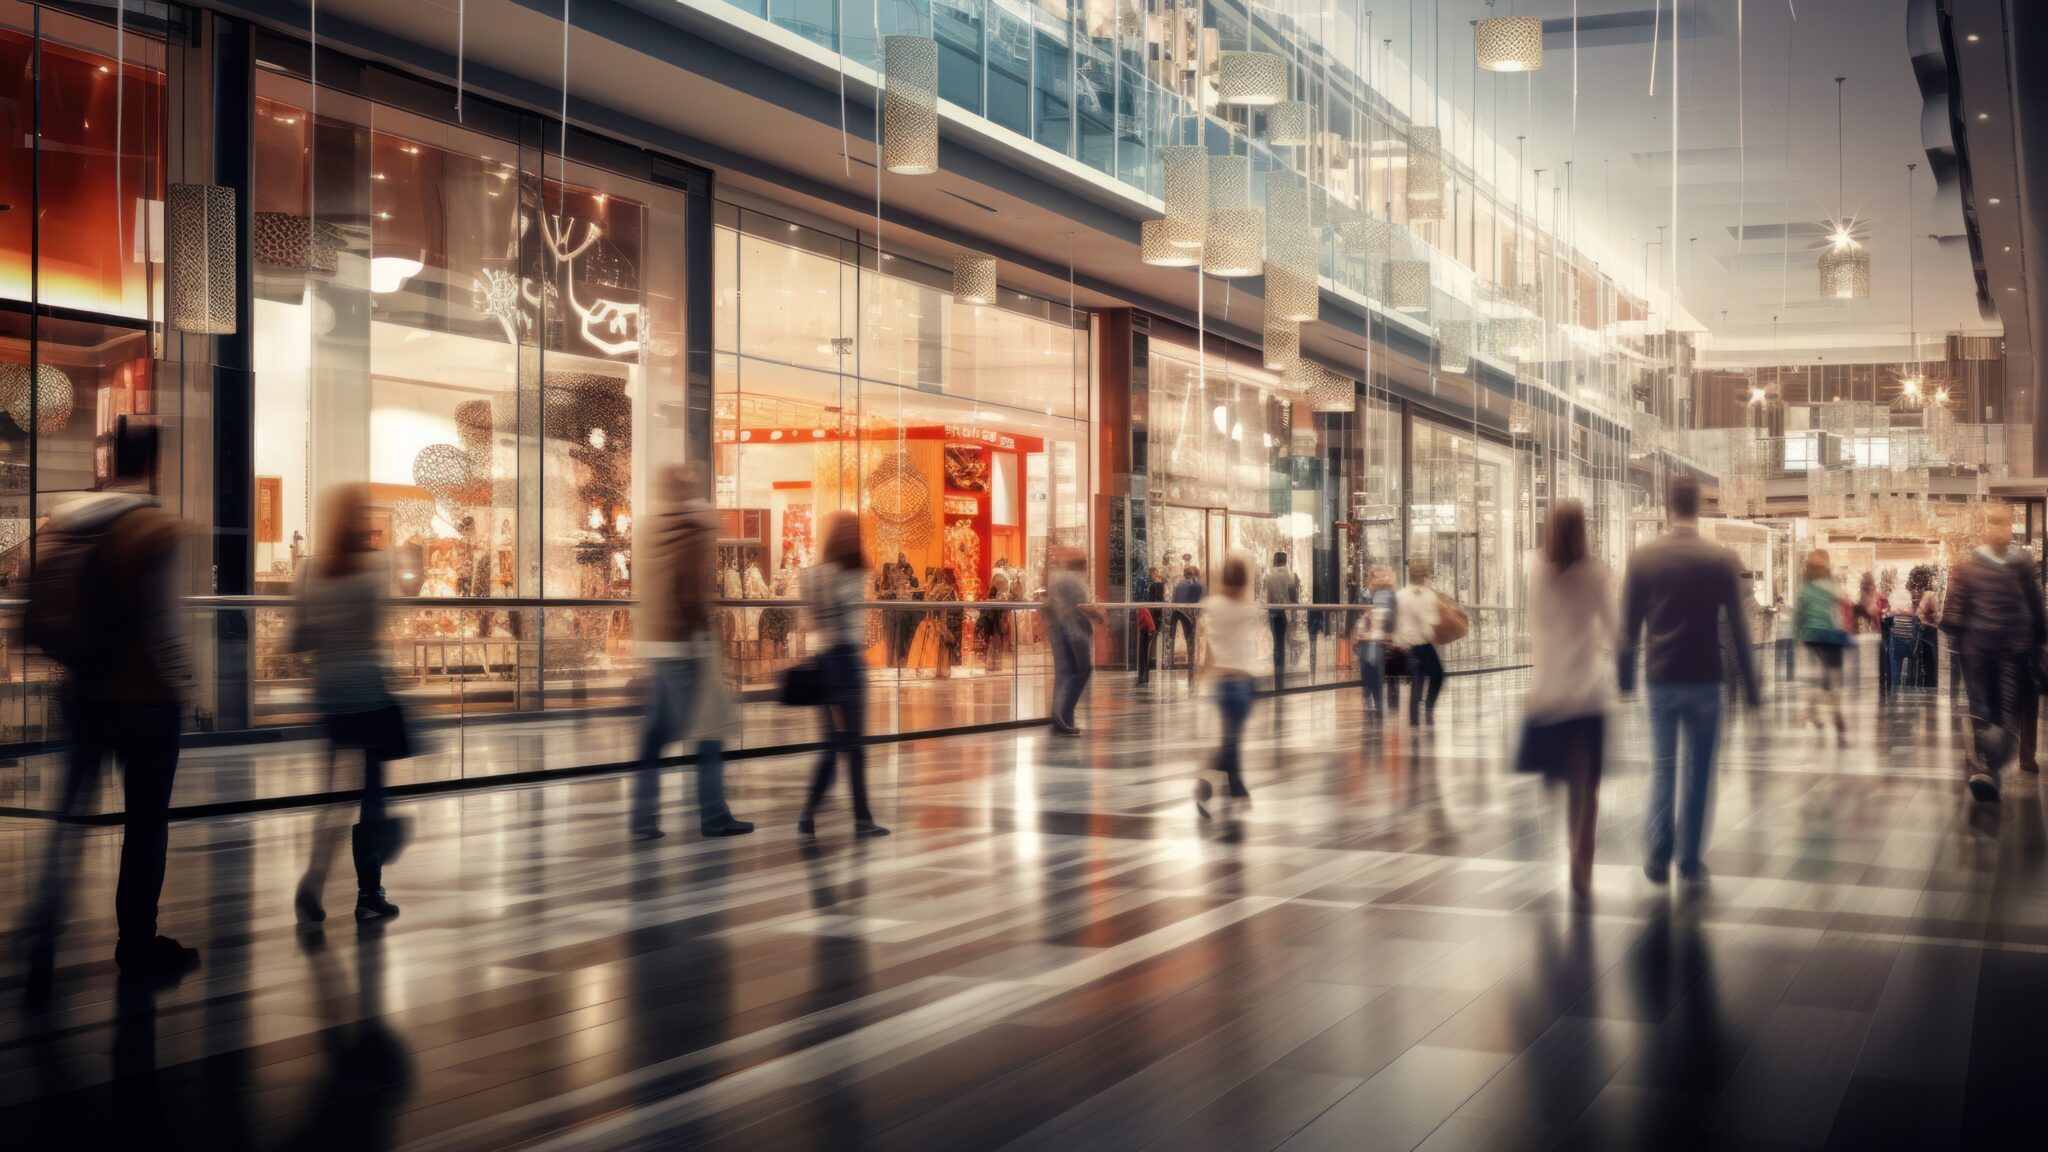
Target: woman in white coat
1571,629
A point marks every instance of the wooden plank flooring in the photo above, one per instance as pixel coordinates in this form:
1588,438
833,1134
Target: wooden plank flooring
1054,953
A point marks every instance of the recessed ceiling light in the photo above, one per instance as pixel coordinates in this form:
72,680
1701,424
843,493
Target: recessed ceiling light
2012,289
2008,247
1973,37
1994,201
1983,115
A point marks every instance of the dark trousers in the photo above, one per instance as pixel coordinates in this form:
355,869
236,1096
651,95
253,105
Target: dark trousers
1427,670
846,714
144,738
1072,668
1185,621
1277,622
675,686
1234,702
1148,646
1996,685
1372,673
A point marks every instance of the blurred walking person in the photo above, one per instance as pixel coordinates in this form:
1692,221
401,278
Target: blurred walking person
1187,590
1994,620
1070,629
1229,628
340,626
1149,622
1822,634
1417,612
104,605
1283,586
686,680
1571,623
833,589
1372,636
1902,639
1678,590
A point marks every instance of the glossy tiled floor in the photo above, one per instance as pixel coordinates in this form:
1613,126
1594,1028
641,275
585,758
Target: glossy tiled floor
1053,952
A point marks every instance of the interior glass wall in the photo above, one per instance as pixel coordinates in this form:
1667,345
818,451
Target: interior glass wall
82,172
852,380
490,338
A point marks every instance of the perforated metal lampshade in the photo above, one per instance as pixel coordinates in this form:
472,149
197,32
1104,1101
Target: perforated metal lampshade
1408,285
1454,345
910,105
1230,182
1845,273
1290,293
974,279
1283,341
1235,244
1155,249
1252,79
1425,179
1289,124
1185,172
1509,44
1365,235
200,258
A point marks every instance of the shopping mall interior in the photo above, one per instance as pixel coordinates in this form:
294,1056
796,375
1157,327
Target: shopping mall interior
1450,574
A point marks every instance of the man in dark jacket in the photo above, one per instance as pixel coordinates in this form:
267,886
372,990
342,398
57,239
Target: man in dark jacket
1188,590
1678,594
1995,623
1148,639
686,685
123,701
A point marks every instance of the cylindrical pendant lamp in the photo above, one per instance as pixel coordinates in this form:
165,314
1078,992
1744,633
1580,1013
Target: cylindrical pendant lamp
1288,124
1365,235
1185,169
1408,285
910,105
1845,273
1425,163
1290,293
1517,337
974,279
1155,249
1235,242
200,258
1230,182
1283,341
1509,44
1454,345
1252,79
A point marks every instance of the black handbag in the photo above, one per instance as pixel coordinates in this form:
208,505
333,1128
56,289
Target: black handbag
381,731
381,840
802,685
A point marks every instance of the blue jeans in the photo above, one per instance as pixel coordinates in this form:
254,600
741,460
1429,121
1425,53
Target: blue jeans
673,688
1372,673
1072,668
1899,651
1234,702
1693,711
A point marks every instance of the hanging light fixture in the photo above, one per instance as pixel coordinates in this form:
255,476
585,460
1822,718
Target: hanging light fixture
1327,391
1155,249
1252,79
1289,123
974,279
1283,342
1516,337
1509,43
1235,243
1365,235
1454,346
1291,295
1845,266
1185,170
43,407
1425,164
1408,285
910,105
200,258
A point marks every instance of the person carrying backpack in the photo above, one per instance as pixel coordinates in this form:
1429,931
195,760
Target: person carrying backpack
103,604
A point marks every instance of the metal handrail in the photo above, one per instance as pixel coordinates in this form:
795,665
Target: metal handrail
509,602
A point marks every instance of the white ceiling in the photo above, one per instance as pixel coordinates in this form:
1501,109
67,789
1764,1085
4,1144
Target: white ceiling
1771,170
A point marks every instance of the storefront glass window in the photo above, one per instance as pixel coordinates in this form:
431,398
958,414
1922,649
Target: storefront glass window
848,380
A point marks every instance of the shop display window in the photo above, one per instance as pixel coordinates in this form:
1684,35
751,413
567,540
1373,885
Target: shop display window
852,380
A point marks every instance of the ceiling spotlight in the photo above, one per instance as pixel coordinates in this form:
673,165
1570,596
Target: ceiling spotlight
2008,247
1973,37
1841,238
1756,394
1994,201
1983,115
